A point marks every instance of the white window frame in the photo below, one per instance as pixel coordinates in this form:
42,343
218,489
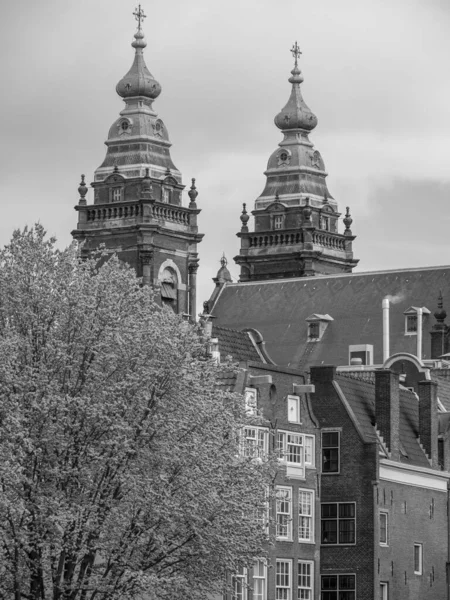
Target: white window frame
283,592
301,580
419,546
384,590
287,443
241,592
263,514
384,515
283,496
310,447
409,331
293,409
259,436
304,515
251,401
260,594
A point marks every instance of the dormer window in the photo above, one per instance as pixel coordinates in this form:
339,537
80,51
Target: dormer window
278,222
411,324
317,325
116,194
166,195
413,318
314,331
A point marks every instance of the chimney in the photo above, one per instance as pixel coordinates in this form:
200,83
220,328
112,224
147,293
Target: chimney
386,350
323,374
428,419
387,409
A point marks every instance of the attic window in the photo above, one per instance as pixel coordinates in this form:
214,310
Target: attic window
314,331
251,401
316,326
411,324
413,316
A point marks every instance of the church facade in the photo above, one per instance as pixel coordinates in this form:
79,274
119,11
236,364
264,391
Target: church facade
350,371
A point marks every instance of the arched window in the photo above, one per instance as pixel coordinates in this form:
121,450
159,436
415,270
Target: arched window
169,289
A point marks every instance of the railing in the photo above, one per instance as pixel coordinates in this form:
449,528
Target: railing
329,240
163,212
278,239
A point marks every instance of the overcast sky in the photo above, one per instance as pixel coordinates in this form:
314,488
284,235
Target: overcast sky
376,75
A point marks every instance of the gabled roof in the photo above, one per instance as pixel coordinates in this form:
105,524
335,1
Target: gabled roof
360,394
279,309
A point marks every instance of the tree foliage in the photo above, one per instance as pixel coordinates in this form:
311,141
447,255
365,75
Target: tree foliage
118,452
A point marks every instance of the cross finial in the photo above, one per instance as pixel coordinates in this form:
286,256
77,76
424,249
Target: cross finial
295,53
140,16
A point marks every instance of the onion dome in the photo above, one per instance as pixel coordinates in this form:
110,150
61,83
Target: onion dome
139,81
296,114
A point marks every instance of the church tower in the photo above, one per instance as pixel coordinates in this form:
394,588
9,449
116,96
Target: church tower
296,218
137,210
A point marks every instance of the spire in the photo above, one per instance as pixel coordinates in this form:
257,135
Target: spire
296,114
139,81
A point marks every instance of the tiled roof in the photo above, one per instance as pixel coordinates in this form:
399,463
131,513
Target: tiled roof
237,344
278,309
441,377
226,381
360,395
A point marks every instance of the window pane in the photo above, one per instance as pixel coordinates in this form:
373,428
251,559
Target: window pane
346,582
346,532
293,409
329,532
309,450
329,510
330,460
330,439
346,510
383,528
329,582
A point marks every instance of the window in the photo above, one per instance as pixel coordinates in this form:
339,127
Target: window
116,194
293,409
325,223
411,324
384,591
240,585
314,330
330,451
338,587
278,222
251,401
418,559
260,580
284,513
254,442
291,449
305,516
384,529
262,513
165,195
283,156
309,451
305,580
338,523
283,580
125,125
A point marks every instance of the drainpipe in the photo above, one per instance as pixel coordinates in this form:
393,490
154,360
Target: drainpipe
419,333
385,307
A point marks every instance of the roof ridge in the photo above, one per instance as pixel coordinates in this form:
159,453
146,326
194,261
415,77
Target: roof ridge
339,275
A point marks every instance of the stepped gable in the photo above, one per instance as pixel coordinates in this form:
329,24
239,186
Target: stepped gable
279,309
360,395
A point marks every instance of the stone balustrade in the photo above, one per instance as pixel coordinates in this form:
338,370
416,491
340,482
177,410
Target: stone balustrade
326,239
163,212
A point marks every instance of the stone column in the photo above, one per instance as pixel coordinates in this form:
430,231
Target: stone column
193,266
146,257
